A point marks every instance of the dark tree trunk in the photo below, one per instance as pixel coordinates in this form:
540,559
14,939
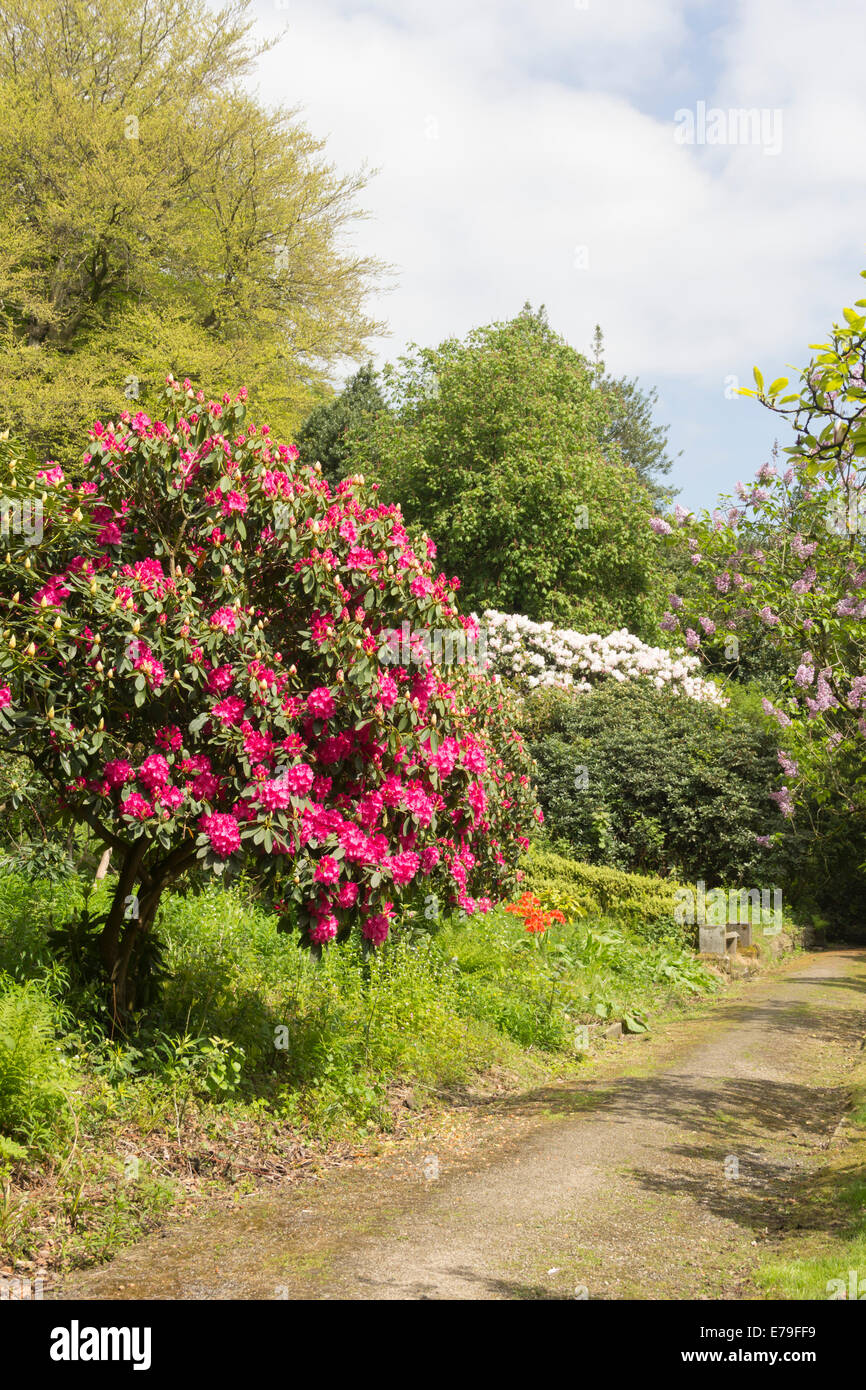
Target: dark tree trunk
120,930
128,921
124,982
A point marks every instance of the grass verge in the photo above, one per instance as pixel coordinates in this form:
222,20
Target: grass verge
826,1257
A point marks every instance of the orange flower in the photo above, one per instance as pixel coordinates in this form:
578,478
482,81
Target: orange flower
535,919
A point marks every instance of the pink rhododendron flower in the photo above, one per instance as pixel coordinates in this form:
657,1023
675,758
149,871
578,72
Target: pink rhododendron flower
430,858
230,710
375,928
146,662
170,738
320,703
53,476
220,680
327,870
258,746
54,592
222,832
118,771
299,779
403,867
356,845
136,806
205,786
225,618
153,772
347,895
173,797
275,795
472,756
324,928
388,691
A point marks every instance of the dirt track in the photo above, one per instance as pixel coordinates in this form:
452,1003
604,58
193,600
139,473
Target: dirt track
660,1176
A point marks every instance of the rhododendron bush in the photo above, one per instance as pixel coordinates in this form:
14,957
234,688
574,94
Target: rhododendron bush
786,560
191,659
538,655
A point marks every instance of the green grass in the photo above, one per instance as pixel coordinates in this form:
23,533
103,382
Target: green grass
245,1015
819,1262
37,1079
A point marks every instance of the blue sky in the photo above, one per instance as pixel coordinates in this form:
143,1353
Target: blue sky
530,152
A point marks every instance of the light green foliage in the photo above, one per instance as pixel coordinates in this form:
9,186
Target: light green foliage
540,990
245,1017
643,901
155,216
36,1079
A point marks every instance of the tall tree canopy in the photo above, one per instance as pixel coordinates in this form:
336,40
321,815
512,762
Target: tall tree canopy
154,215
493,445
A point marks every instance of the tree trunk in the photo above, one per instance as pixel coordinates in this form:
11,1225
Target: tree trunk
112,942
123,981
131,915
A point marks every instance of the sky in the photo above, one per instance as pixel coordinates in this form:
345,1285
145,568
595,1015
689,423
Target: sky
587,155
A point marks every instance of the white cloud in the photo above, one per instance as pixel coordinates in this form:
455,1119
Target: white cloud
509,135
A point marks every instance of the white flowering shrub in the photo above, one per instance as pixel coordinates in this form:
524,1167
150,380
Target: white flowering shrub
538,654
